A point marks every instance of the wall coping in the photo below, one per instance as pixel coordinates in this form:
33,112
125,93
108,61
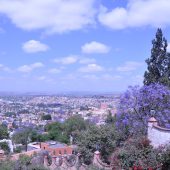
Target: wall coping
161,128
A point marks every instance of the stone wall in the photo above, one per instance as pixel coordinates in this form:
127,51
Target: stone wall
157,135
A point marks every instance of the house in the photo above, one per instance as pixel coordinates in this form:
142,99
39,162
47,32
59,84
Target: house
56,148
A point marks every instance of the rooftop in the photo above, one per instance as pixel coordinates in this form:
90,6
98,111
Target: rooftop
54,144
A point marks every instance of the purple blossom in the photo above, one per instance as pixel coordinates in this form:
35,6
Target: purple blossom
136,105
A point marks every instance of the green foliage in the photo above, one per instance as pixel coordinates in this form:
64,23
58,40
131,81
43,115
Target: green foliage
56,132
22,137
18,149
3,132
110,119
46,117
102,138
4,146
74,125
24,163
158,70
6,165
36,137
61,131
138,152
165,157
24,160
10,114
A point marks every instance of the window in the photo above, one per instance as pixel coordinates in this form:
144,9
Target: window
60,152
54,152
44,148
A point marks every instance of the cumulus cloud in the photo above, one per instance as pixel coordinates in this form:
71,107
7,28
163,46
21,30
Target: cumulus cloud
54,71
33,46
91,68
129,66
138,13
67,60
54,16
87,60
111,77
95,47
31,67
4,68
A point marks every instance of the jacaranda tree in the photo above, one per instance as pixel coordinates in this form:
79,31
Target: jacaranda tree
136,105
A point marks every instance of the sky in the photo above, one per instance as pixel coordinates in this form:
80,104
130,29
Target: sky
77,45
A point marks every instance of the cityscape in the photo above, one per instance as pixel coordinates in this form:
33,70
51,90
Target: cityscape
84,84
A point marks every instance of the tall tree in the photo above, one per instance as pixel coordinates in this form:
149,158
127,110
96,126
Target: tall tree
102,138
159,62
22,137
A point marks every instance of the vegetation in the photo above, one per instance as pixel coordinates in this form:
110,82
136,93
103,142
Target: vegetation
24,163
122,139
110,119
137,152
136,106
158,70
46,117
3,132
4,146
97,138
61,131
22,137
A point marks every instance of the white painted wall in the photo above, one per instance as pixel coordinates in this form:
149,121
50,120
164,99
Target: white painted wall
157,135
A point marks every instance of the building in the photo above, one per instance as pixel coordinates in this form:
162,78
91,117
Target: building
56,148
158,136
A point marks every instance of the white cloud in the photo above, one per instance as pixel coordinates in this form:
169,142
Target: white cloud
4,68
129,66
67,60
69,77
95,47
41,78
54,71
91,77
168,48
31,67
138,13
91,68
54,16
34,46
111,77
87,60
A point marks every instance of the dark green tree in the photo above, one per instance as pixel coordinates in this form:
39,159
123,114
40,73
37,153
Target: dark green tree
110,119
97,138
56,132
159,63
23,137
3,132
74,125
46,117
4,146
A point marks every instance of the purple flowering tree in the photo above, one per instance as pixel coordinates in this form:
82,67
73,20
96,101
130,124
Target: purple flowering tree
136,105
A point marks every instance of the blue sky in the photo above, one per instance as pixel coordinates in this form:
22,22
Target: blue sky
73,45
